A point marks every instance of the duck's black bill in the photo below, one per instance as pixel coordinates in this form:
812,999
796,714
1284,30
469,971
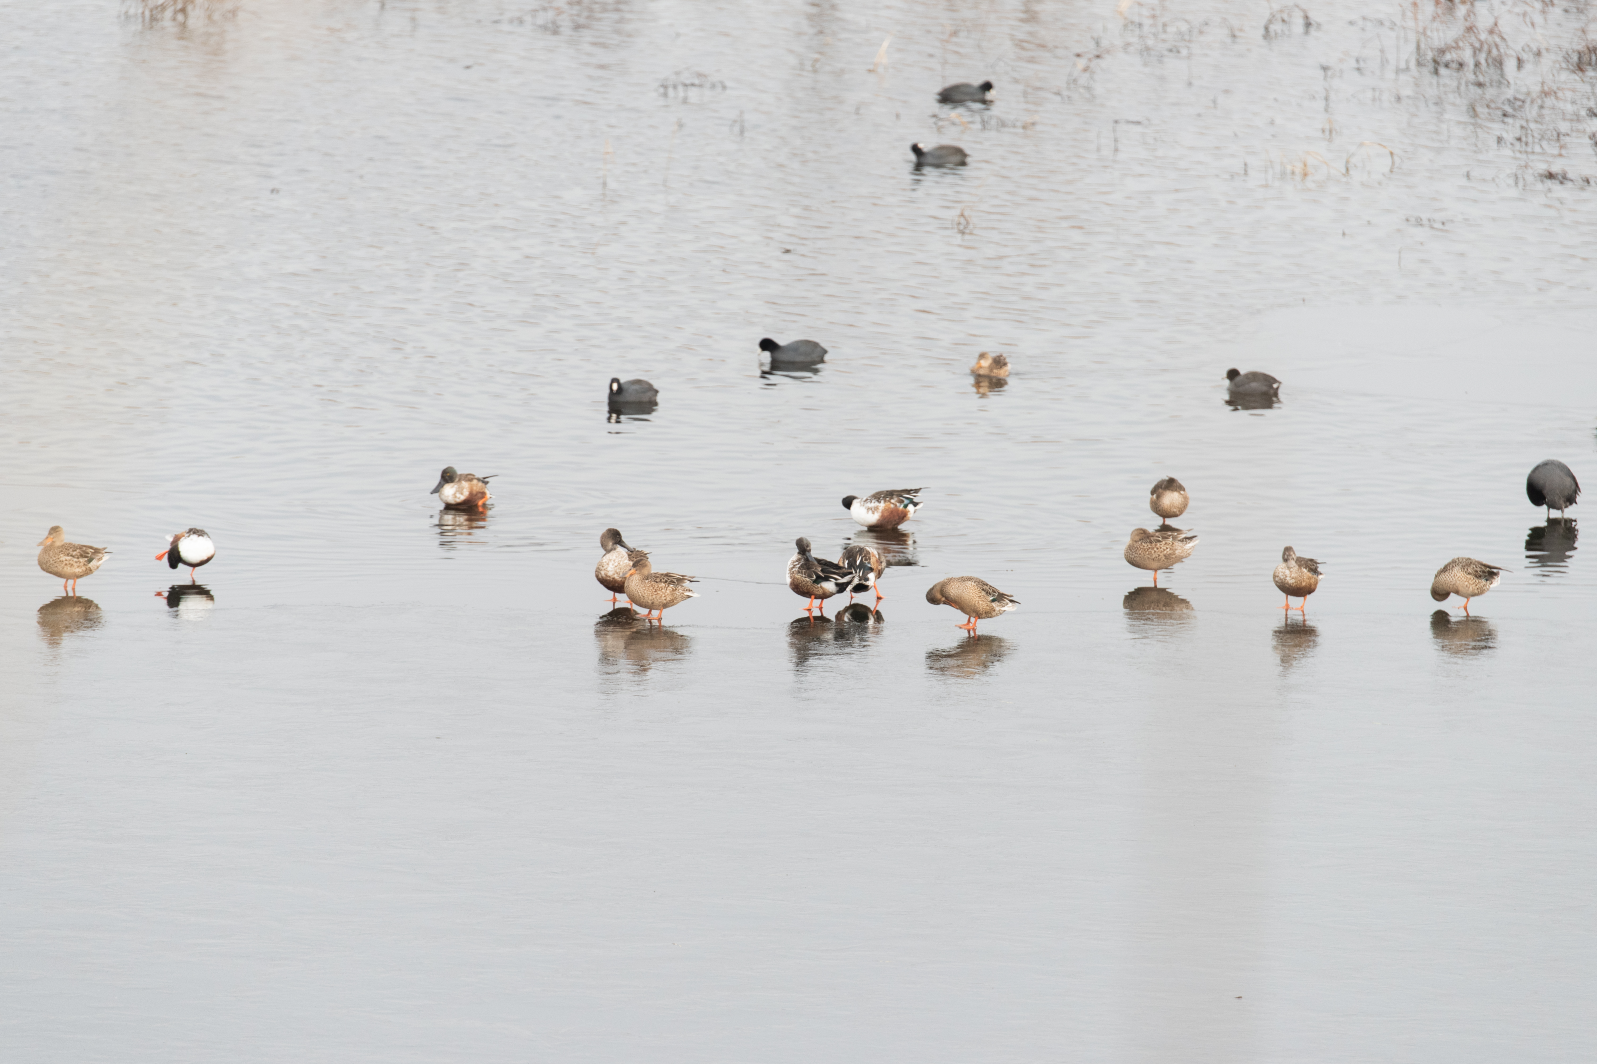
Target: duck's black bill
437,487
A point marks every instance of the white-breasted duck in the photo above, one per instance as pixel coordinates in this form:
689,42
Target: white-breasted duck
816,578
192,548
884,509
69,562
611,572
462,491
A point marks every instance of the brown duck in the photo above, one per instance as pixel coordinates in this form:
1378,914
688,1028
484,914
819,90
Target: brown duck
1465,577
614,563
816,578
1159,550
462,491
974,597
69,561
1296,576
1168,498
655,592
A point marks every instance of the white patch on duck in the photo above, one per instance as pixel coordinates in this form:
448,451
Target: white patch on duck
195,550
459,490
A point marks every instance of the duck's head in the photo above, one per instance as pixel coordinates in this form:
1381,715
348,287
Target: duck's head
934,594
446,477
803,546
1288,554
55,535
610,539
1438,594
848,501
769,344
1232,374
1140,534
918,148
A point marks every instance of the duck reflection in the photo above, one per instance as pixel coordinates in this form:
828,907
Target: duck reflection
1252,402
624,638
66,615
811,637
456,525
1462,636
988,385
1549,546
1151,610
855,623
1294,640
896,546
968,657
779,371
190,601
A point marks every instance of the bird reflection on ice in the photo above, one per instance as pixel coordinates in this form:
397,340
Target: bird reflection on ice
1548,547
1156,610
1462,636
968,657
1293,640
626,640
67,615
189,601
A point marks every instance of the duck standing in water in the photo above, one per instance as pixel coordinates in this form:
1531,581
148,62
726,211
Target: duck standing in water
1168,499
815,577
614,563
1296,576
1467,578
655,592
70,562
1552,484
867,566
192,548
1159,550
974,597
462,491
884,509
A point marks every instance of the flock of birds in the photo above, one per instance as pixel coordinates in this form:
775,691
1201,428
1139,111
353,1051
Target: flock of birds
624,570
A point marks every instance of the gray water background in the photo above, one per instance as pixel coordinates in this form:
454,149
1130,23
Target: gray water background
398,791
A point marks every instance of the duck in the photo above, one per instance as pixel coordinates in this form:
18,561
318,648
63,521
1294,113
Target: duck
655,592
1254,383
815,577
611,572
965,92
1296,576
1168,498
637,390
462,491
991,365
974,597
1468,578
1159,550
884,509
192,548
69,561
942,155
794,353
1552,484
867,566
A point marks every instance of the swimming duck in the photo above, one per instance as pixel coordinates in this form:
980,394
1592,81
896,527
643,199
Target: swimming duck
1254,383
991,365
1296,576
815,577
1168,498
462,491
884,509
965,92
192,548
942,155
69,561
1465,577
655,592
972,596
867,566
1159,550
794,353
1552,484
611,572
636,390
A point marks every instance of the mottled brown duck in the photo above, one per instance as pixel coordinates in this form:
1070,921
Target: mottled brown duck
815,578
974,597
655,592
1159,550
1296,576
68,561
1168,498
1467,578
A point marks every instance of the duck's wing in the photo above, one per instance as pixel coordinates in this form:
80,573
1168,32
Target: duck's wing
993,595
905,497
1310,564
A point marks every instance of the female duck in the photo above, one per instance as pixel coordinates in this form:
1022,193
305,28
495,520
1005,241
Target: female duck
1159,550
974,597
655,592
1168,498
991,365
462,491
1465,577
815,577
70,562
192,548
1296,576
884,509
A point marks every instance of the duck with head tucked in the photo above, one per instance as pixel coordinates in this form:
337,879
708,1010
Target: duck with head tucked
462,491
1552,484
816,578
614,563
192,548
1160,549
868,567
1296,576
655,592
884,509
1168,498
1467,578
69,562
974,597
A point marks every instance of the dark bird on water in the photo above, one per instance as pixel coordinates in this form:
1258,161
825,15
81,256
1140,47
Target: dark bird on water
794,353
636,390
942,155
1252,384
965,92
1552,484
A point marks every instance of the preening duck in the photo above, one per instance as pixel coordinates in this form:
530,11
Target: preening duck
68,561
974,597
816,578
192,548
884,509
462,491
655,592
1168,498
1467,578
1159,550
1296,576
867,566
611,572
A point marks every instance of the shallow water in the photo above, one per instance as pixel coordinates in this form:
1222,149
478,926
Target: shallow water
397,785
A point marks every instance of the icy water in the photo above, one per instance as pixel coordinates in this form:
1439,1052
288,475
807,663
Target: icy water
395,787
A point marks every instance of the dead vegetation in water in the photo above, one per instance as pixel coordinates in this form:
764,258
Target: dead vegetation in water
685,83
179,12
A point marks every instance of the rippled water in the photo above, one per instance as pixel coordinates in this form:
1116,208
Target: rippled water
397,784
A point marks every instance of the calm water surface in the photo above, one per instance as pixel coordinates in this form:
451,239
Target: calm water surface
397,786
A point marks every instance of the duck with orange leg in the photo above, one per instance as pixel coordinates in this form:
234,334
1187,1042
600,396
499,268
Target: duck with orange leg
614,563
1159,549
816,578
69,562
655,592
867,566
974,597
1296,576
462,491
1468,578
192,548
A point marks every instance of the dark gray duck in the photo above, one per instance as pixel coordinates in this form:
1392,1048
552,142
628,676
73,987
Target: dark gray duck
1254,383
965,92
1552,484
636,390
942,155
796,353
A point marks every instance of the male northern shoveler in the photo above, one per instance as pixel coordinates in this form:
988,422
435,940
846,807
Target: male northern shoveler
1296,576
1159,550
815,577
974,597
655,592
868,567
884,509
1168,498
1465,577
462,491
192,548
611,572
68,561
